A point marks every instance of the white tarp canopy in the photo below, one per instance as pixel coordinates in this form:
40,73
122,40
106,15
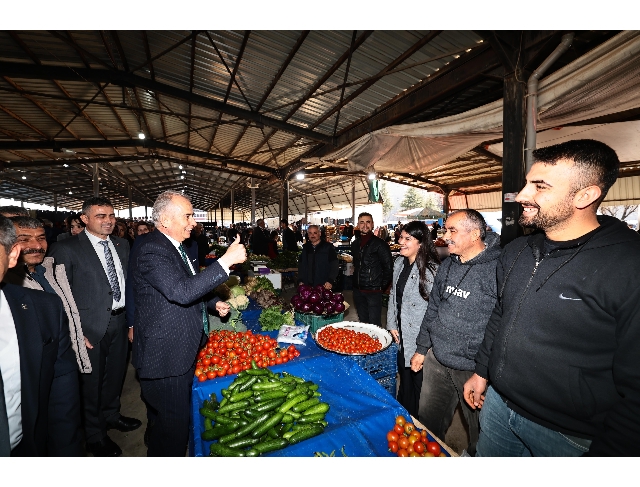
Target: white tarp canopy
605,80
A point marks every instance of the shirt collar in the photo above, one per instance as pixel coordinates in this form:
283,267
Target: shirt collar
93,239
173,241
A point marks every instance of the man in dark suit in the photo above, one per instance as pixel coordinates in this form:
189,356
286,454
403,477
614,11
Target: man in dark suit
260,239
39,396
170,323
96,266
289,241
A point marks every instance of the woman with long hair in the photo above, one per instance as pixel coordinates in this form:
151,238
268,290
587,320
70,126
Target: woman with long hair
413,275
74,226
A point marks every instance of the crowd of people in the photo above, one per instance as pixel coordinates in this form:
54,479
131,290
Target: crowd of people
537,342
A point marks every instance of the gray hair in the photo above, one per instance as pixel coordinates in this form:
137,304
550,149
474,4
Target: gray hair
163,202
9,211
313,226
26,222
473,221
8,235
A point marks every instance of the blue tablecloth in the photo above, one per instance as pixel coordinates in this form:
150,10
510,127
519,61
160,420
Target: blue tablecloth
361,413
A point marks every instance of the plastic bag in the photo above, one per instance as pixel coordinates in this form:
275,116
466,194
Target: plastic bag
293,334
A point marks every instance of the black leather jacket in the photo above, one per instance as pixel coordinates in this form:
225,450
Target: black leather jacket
373,265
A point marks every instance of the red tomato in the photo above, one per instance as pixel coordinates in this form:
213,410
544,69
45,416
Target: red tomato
419,447
278,361
285,360
221,373
198,372
215,359
403,442
201,353
211,374
236,369
272,354
409,428
398,429
206,361
392,436
393,446
434,448
400,420
202,377
403,453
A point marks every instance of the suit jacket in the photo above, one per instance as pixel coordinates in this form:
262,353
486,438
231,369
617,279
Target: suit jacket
88,280
168,308
50,390
259,241
192,253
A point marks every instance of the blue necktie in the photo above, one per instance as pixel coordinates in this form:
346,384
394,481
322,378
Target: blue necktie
111,271
205,316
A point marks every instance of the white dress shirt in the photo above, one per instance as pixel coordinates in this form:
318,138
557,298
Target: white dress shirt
98,247
177,244
10,370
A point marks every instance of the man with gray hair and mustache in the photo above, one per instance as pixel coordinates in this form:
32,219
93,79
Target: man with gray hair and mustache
35,271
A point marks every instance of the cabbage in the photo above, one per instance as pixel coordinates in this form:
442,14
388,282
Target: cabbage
233,281
236,291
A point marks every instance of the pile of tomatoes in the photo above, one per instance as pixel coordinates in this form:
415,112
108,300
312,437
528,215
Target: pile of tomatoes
405,440
228,352
347,341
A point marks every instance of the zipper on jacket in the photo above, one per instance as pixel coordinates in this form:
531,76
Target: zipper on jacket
508,332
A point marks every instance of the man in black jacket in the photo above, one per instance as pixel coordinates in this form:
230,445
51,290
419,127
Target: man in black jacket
260,239
289,241
373,270
318,263
561,347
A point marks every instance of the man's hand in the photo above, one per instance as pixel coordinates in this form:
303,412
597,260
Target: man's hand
222,308
416,362
474,390
131,335
328,285
395,335
88,343
235,254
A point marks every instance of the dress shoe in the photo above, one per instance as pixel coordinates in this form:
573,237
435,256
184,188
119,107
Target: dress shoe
106,447
125,424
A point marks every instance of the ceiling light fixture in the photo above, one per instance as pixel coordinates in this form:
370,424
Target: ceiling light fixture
65,165
70,192
24,177
372,175
141,135
180,166
300,176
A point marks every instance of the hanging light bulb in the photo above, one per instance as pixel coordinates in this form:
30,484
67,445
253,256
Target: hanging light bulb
300,176
141,135
372,175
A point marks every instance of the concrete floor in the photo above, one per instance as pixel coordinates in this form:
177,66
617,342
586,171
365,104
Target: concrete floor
132,443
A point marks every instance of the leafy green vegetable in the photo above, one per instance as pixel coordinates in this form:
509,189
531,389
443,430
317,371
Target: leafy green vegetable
236,291
272,318
263,283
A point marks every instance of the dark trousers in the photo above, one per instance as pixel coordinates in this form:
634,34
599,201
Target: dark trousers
409,389
101,388
368,306
442,390
168,399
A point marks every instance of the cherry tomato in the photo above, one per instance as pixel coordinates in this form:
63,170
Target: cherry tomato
202,377
198,372
414,454
434,448
393,446
409,428
401,420
392,436
403,453
398,429
236,369
201,353
278,360
206,361
221,373
419,447
403,442
211,374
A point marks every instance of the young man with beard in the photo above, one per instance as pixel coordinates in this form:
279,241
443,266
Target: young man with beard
561,348
372,271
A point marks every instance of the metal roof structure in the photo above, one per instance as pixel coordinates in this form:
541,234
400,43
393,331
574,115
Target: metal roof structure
218,108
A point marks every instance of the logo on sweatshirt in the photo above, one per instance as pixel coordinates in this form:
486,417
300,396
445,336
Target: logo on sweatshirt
457,292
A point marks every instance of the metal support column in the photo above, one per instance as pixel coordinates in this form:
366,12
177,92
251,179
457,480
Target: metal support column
233,209
253,203
145,212
221,216
513,177
55,202
285,202
130,191
96,180
353,200
306,209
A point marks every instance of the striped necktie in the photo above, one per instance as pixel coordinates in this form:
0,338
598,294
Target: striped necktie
111,270
205,316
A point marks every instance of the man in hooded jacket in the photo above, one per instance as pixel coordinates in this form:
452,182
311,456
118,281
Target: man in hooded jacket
460,303
561,347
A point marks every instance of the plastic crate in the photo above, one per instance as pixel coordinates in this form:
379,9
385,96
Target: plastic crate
389,384
381,364
316,322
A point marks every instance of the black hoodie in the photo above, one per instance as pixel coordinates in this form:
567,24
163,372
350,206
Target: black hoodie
562,346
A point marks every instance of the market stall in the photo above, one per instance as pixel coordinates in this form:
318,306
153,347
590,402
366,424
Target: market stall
359,389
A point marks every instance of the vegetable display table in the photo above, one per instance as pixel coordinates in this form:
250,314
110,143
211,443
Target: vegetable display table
362,410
